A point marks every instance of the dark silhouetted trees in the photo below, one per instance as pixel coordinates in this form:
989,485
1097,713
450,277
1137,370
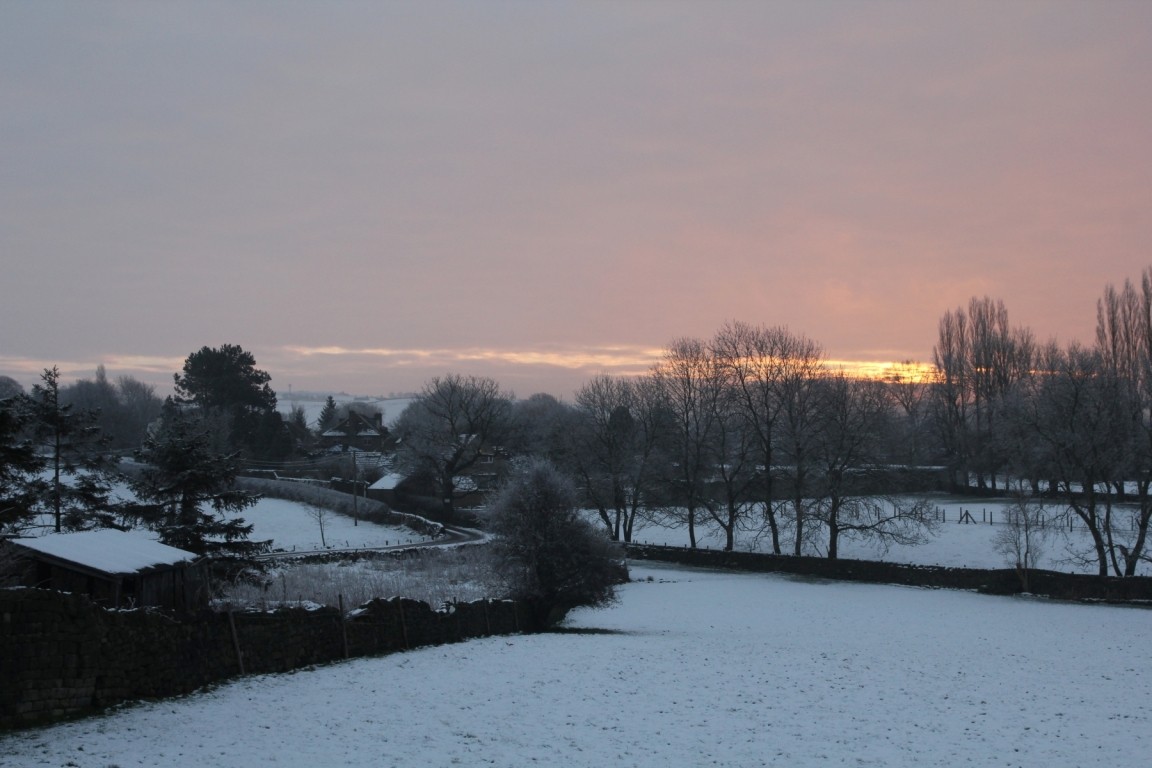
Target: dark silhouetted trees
78,457
551,554
187,491
21,465
448,428
235,395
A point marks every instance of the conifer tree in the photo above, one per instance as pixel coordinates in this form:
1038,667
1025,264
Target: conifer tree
77,453
188,493
327,417
20,466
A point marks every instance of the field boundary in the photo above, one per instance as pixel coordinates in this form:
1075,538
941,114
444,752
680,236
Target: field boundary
1136,590
62,656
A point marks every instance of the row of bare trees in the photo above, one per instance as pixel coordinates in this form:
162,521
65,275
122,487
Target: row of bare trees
751,430
747,431
1070,424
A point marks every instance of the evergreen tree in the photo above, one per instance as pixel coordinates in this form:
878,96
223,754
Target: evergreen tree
20,466
77,454
187,492
327,418
226,384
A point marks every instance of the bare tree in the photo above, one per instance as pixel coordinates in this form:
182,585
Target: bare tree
140,407
543,426
1078,417
1124,343
802,365
729,495
447,428
123,410
952,394
691,382
321,515
979,358
849,482
617,449
1023,537
909,387
9,388
752,361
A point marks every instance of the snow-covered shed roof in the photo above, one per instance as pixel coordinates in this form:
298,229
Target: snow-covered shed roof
109,551
387,482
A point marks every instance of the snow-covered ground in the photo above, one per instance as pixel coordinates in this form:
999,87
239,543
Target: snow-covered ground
293,526
956,544
692,668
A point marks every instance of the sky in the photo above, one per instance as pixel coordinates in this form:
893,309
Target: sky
366,195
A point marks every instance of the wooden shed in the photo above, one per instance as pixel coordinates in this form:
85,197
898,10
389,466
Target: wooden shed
114,568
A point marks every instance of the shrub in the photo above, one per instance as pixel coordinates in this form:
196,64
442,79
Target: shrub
552,556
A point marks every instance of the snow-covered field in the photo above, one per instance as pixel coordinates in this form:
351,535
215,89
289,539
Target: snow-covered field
692,668
956,544
292,526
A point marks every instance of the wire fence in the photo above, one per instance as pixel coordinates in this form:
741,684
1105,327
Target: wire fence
1061,520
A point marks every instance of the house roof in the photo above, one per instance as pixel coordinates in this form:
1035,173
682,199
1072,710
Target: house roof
356,425
108,551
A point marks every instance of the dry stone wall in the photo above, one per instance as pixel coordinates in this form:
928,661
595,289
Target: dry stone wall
62,656
1002,581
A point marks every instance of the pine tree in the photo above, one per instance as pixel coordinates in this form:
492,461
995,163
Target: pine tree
188,492
226,384
20,466
327,416
77,454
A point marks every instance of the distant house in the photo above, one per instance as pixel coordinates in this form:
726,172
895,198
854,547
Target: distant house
113,568
357,432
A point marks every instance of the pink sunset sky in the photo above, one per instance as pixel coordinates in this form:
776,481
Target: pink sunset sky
369,194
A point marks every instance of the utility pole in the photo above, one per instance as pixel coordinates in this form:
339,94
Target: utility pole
355,483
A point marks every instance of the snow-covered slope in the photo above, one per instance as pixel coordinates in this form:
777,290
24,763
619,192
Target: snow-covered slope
690,669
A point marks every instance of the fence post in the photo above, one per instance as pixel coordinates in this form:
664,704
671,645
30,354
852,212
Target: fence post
236,641
403,624
343,625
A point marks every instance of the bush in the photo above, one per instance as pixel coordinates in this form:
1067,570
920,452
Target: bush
553,557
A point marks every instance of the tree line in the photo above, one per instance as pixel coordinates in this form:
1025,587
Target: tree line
748,431
752,430
62,452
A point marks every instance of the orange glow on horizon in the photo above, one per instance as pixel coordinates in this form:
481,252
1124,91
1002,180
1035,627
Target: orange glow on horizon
623,359
905,372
